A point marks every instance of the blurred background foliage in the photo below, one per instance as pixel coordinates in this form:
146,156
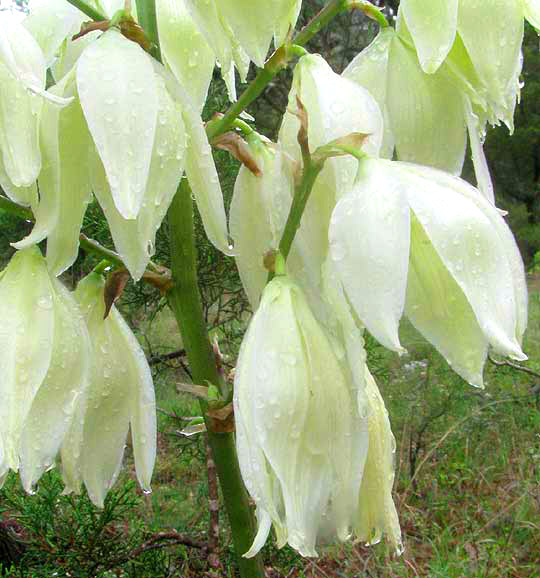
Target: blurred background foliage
468,461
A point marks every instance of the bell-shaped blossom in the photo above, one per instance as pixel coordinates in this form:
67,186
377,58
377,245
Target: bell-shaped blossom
377,513
300,442
118,94
44,362
412,239
134,239
120,396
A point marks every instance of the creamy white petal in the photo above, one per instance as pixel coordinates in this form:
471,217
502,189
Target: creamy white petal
19,130
287,23
509,250
75,190
118,93
54,405
433,27
207,18
474,253
134,239
259,210
201,169
369,244
185,49
425,111
286,364
26,335
120,393
369,69
253,23
50,22
492,32
376,510
439,309
26,196
532,12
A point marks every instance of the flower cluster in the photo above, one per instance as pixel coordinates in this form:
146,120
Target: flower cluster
72,382
378,239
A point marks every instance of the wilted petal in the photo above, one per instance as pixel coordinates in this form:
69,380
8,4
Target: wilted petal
185,49
369,69
439,309
120,393
369,244
118,93
19,130
134,239
376,510
474,253
26,335
426,113
53,407
50,22
433,28
492,32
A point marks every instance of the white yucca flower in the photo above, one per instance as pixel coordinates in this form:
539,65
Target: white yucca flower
44,365
414,240
301,441
120,397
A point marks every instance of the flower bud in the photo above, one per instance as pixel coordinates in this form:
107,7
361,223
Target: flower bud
298,428
120,396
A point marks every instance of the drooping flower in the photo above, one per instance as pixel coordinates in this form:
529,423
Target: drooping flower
44,362
120,396
118,94
301,442
412,239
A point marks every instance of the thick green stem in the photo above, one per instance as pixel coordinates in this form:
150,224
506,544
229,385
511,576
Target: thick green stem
184,300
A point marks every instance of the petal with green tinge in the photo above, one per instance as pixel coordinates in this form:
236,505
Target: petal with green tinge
118,93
